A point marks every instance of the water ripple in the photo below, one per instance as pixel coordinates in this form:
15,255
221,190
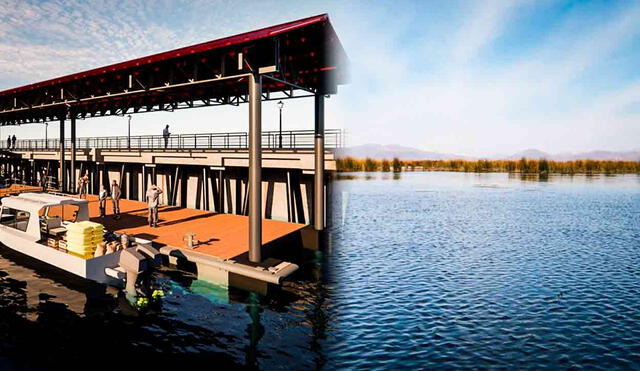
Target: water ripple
465,276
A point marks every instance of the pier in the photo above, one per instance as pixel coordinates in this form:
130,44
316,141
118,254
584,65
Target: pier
220,247
240,193
198,171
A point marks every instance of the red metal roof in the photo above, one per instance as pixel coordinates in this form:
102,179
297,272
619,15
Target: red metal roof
206,46
303,57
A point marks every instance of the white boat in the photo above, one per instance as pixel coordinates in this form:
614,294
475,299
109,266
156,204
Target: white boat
25,226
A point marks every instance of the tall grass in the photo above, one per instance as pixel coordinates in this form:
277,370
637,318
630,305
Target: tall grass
523,165
371,164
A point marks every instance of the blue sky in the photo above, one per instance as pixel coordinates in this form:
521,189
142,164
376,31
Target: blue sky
466,77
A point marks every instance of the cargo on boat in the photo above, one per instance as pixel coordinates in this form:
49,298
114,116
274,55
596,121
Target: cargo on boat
26,226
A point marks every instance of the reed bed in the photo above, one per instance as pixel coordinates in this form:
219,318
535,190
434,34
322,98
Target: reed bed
523,165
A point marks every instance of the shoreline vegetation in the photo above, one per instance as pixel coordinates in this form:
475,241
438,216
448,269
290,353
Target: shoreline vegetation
523,166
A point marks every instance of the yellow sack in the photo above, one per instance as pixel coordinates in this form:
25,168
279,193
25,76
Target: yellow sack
82,255
79,228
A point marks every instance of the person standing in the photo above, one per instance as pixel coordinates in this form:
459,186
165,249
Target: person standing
9,142
102,198
153,200
165,135
115,199
13,141
80,186
83,181
43,182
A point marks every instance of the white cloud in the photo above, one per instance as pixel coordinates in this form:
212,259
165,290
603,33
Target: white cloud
432,90
485,24
469,109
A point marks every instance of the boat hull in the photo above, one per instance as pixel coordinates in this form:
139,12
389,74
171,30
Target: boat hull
92,269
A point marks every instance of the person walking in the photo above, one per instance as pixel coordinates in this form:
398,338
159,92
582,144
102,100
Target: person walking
153,200
165,135
13,141
115,199
102,198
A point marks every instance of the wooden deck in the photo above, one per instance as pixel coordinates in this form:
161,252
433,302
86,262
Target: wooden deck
15,189
224,236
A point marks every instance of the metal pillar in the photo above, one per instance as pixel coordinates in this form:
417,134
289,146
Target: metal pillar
221,192
144,182
61,170
318,179
73,154
92,179
103,178
255,168
100,171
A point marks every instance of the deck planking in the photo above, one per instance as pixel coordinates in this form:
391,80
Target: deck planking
225,236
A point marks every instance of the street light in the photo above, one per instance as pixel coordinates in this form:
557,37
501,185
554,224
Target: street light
280,105
129,132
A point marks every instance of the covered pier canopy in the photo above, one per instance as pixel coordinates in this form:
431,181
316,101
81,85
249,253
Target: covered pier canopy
303,58
299,58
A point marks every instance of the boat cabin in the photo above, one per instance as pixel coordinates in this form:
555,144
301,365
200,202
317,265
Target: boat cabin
28,214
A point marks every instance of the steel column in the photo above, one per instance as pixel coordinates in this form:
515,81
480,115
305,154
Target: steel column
73,154
255,168
144,183
318,179
100,176
221,192
61,170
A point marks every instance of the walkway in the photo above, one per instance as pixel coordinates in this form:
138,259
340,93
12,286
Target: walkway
221,235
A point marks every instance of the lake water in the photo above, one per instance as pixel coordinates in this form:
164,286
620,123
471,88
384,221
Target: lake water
49,318
451,270
422,270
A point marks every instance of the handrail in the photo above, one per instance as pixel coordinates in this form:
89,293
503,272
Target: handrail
287,139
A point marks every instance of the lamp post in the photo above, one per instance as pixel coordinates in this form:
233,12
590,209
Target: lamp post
46,137
129,132
280,105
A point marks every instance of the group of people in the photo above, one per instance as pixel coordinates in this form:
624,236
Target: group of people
115,194
11,141
152,197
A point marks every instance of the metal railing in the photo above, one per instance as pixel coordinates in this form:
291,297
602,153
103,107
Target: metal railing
289,139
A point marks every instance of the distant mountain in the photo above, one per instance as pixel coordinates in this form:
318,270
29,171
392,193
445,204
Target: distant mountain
528,153
389,151
600,155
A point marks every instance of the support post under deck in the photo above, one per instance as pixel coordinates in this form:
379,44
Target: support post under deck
73,154
318,179
255,168
144,183
61,170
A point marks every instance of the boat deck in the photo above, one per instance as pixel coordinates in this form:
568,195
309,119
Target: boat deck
224,236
